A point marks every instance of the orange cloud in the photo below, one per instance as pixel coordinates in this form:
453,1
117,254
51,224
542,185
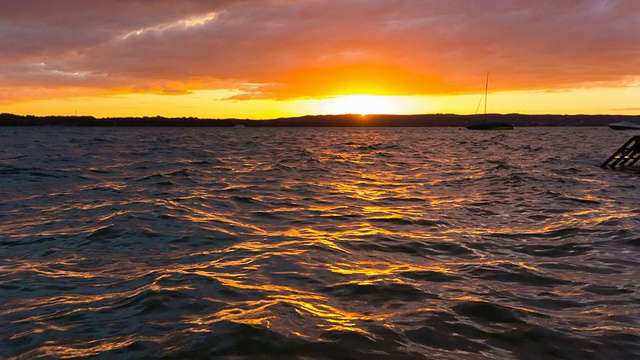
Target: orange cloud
309,49
347,79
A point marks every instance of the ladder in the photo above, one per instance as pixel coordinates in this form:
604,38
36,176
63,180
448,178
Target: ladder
628,155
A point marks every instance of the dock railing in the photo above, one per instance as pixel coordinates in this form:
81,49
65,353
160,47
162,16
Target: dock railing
628,155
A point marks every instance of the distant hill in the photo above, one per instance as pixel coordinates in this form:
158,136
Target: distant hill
428,120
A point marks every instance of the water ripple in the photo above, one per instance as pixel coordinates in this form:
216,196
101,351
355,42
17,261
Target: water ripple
317,243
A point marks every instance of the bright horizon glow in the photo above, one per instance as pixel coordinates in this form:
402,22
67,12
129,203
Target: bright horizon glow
217,104
270,59
371,104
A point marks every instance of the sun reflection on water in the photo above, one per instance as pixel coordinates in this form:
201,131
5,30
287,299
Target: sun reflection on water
404,242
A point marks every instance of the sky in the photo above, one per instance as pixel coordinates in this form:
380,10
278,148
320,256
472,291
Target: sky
274,58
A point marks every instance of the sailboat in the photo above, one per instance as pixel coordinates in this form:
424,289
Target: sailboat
492,125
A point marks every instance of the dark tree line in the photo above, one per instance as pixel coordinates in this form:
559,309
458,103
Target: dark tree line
323,121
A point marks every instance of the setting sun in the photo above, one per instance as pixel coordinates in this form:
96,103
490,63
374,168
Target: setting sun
248,59
366,105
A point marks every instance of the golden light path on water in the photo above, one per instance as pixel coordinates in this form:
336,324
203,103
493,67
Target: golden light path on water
405,243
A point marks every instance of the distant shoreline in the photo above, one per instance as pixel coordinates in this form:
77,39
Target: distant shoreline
426,120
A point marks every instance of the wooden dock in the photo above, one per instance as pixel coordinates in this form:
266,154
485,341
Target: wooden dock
627,156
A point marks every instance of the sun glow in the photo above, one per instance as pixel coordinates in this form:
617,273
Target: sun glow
364,105
219,104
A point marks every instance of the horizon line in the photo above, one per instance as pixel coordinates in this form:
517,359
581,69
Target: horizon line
354,115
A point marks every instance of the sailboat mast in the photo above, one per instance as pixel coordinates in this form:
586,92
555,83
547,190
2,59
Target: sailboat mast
488,125
486,90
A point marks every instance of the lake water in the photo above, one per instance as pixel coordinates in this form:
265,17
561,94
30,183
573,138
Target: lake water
434,243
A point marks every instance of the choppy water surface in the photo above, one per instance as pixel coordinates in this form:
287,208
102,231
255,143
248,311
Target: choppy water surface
317,243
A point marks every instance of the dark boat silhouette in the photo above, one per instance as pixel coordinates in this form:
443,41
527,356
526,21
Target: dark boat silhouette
625,125
491,125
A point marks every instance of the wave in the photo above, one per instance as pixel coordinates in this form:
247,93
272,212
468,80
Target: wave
316,243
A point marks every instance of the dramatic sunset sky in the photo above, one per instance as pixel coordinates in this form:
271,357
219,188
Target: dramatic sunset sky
270,58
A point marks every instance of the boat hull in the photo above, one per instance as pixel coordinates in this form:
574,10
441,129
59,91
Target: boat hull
624,126
491,126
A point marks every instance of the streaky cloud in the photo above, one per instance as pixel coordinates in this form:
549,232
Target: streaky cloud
298,49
